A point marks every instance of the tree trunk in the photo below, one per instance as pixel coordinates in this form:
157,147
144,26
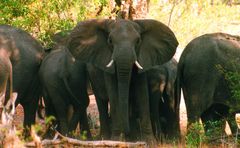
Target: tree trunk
131,9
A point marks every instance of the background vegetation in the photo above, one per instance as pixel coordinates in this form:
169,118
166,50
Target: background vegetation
189,18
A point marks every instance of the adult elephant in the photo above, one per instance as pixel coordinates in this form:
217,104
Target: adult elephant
5,76
25,54
164,106
64,83
206,91
124,50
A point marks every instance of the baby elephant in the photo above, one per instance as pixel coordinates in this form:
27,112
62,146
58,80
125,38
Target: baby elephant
64,84
164,109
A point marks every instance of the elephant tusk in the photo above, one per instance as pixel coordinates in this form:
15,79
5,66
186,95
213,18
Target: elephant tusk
110,63
138,65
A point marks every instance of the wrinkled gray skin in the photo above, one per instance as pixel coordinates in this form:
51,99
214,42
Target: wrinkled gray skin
88,73
64,83
164,106
206,92
96,77
128,45
5,77
25,55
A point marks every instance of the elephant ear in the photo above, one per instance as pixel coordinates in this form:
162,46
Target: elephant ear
158,43
88,43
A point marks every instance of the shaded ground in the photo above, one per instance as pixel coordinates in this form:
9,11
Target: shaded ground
93,114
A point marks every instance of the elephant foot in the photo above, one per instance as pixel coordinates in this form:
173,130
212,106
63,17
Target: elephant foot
26,133
119,137
173,137
150,139
49,134
86,135
89,136
105,136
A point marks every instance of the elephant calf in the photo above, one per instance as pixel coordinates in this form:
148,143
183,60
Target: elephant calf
96,78
64,84
164,108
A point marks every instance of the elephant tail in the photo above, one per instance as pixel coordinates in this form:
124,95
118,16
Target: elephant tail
41,107
70,91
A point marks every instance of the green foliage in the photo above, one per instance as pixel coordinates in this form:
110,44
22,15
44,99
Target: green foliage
84,135
195,135
233,81
43,18
49,120
215,129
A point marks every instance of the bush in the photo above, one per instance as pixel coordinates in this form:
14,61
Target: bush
233,81
195,135
43,18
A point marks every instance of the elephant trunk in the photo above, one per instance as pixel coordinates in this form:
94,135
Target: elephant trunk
124,70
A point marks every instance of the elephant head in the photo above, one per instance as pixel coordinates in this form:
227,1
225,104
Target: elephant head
116,46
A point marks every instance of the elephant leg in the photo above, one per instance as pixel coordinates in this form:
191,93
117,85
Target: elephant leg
84,126
49,111
73,118
83,118
142,101
80,116
111,86
171,116
50,131
135,134
193,114
30,109
61,109
99,89
196,103
155,99
104,118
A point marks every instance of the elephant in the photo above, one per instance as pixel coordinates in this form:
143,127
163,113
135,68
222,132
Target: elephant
124,50
83,75
164,105
205,88
25,54
64,84
5,76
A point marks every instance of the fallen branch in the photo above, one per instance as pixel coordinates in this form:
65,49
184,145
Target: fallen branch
75,142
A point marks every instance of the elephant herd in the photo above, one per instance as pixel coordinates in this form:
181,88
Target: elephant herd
130,68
